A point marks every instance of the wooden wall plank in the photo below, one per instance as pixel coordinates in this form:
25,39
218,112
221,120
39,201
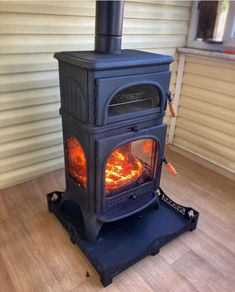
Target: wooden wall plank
208,109
27,145
29,172
30,158
19,99
221,100
20,63
82,8
12,44
15,23
137,10
213,72
225,139
32,129
26,81
210,84
206,121
220,63
29,114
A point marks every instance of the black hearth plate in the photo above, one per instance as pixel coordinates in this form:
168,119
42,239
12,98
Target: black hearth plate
125,242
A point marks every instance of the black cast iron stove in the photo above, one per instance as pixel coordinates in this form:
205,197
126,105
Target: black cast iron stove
112,105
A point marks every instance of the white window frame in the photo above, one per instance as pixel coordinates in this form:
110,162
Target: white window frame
228,41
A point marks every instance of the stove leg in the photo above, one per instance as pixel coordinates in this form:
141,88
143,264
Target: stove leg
92,228
106,280
155,252
193,224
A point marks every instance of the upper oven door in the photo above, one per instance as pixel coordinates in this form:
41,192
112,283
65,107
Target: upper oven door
128,97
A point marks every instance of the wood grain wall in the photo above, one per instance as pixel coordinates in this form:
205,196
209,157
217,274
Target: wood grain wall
30,32
206,117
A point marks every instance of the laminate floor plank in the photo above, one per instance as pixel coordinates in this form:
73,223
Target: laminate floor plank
201,274
5,280
161,277
24,263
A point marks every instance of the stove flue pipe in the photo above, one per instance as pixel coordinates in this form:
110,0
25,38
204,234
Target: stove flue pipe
108,26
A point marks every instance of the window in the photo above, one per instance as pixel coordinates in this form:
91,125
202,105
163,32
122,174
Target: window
212,24
76,161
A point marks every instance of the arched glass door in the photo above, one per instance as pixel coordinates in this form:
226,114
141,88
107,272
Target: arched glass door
130,165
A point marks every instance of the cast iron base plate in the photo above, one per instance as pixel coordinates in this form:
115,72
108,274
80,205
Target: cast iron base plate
125,242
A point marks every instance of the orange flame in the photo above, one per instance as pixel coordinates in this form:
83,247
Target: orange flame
77,161
122,168
148,147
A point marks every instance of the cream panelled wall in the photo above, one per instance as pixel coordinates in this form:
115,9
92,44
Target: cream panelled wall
30,32
206,117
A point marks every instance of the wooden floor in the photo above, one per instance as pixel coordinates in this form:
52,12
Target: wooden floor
37,255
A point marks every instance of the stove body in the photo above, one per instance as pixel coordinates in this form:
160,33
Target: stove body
109,102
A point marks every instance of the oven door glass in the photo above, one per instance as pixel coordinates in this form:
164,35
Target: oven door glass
134,99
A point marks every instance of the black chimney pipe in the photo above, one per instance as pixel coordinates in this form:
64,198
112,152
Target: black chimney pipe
108,26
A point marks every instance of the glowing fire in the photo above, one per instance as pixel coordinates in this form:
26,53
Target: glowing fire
148,147
77,161
122,168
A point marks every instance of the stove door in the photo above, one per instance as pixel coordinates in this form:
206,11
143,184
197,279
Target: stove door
129,169
130,165
127,97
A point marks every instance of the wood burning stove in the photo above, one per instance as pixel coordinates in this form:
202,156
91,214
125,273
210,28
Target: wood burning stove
112,105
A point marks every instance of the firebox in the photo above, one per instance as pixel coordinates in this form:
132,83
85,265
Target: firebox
112,105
